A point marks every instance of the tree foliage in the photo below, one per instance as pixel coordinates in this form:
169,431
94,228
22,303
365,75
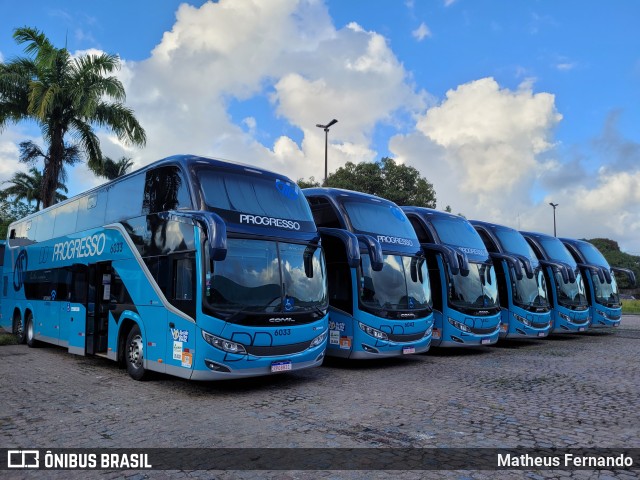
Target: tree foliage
111,169
65,96
399,183
28,186
11,211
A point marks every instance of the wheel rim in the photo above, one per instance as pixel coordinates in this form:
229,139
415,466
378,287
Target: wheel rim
135,351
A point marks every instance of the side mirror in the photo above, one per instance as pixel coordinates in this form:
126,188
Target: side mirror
511,260
375,251
449,255
350,241
629,273
213,225
558,267
307,257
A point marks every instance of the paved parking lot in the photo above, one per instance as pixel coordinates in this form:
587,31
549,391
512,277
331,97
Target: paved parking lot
566,391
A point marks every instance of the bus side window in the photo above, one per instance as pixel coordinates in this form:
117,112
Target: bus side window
324,213
184,279
165,189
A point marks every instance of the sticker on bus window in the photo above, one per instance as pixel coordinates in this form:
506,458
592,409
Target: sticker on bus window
345,343
180,335
334,337
177,351
287,189
435,334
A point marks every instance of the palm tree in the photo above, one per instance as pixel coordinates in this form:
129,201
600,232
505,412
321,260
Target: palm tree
30,153
65,96
25,186
111,169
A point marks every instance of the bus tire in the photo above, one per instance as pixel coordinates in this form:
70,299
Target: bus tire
134,354
18,328
30,333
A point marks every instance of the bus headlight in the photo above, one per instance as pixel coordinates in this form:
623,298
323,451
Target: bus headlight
318,340
374,332
428,332
460,325
224,344
566,317
522,319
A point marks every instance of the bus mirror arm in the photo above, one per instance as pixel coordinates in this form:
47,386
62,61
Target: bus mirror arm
307,258
375,250
511,260
463,262
560,267
526,263
215,228
598,271
447,252
629,273
349,240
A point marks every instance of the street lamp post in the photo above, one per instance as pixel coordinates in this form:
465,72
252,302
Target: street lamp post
554,205
326,144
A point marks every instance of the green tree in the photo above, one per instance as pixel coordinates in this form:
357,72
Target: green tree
10,211
65,96
399,183
110,169
312,182
28,186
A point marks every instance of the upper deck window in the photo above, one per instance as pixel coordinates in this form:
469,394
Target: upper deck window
381,218
254,194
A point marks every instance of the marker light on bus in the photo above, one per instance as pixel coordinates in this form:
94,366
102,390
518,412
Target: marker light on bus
375,333
459,325
319,339
223,344
522,320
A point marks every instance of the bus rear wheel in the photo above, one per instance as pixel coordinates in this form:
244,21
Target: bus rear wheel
18,328
30,331
134,354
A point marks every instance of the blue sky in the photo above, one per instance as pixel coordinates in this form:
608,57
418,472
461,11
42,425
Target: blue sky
503,106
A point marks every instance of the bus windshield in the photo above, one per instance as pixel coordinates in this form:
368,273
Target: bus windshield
571,294
531,292
592,255
402,284
457,231
478,290
260,276
513,242
556,251
379,217
253,194
605,293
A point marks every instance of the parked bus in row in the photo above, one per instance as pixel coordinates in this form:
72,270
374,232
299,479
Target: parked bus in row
463,280
601,286
379,295
195,267
570,309
522,288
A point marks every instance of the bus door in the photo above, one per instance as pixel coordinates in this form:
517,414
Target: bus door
98,302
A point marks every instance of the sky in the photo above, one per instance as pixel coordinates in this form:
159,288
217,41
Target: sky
503,106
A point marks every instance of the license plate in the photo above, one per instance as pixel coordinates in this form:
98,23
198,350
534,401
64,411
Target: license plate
616,324
408,350
280,366
541,334
581,329
485,341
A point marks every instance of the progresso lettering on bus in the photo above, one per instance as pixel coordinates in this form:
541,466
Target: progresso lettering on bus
398,240
88,246
473,251
269,221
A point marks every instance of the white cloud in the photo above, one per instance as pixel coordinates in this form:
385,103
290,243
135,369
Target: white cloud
448,3
421,32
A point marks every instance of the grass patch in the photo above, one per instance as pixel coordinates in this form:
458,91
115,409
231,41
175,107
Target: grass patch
631,306
7,339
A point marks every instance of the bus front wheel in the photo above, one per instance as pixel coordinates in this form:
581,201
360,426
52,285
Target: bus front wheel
134,354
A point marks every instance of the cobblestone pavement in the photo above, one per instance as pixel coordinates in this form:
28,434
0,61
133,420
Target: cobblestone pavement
565,392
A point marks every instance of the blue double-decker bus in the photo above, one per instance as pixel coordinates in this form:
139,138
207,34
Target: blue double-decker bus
601,286
195,267
522,288
379,295
463,279
570,309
